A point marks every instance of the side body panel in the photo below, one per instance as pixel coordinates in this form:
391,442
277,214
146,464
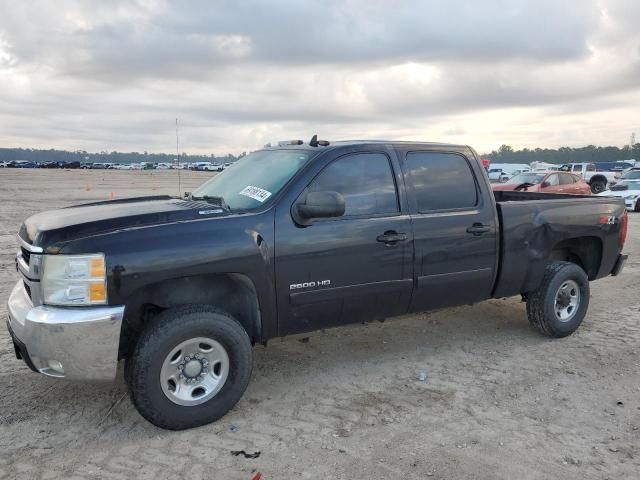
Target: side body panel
532,224
138,258
455,259
335,271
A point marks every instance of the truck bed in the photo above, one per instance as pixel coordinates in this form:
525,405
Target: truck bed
535,226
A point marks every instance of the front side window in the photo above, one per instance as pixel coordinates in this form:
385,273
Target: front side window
365,180
254,179
532,178
441,181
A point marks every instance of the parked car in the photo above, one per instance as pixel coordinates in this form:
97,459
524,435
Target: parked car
49,165
4,164
292,239
100,166
546,182
597,180
631,174
498,175
22,164
629,189
618,166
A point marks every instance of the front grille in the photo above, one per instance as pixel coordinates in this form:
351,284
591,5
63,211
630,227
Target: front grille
27,289
26,255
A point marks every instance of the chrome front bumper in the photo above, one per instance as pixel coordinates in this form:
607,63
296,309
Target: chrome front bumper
79,343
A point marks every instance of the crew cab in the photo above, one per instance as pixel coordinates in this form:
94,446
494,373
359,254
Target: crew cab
288,240
597,179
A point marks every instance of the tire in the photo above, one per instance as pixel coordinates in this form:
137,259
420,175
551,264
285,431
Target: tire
161,337
541,303
598,186
637,208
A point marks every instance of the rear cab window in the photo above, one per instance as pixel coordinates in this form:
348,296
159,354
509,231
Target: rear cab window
441,181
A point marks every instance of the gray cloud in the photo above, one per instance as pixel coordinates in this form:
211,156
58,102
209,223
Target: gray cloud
115,74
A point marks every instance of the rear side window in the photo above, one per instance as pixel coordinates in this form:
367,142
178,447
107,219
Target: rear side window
577,168
441,181
365,181
566,179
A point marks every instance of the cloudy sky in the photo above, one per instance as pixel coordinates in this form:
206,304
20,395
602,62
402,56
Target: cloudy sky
114,75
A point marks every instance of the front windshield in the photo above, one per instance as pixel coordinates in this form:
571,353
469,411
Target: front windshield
532,178
252,180
632,174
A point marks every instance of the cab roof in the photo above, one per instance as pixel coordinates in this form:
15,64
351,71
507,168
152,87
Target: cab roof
346,143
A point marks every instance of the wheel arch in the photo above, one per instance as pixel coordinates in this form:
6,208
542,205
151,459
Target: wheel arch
234,293
598,178
583,251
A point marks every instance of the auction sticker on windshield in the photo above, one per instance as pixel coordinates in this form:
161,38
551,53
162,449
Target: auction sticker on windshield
256,193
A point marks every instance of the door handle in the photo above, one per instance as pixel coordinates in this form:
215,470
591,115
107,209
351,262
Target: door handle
391,237
478,229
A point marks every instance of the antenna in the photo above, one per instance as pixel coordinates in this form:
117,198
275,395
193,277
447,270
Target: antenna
177,162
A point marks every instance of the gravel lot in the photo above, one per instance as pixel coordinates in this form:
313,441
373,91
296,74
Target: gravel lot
499,400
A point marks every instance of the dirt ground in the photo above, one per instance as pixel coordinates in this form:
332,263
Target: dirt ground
499,400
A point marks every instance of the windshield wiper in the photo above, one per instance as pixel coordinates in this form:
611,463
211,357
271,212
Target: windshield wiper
217,201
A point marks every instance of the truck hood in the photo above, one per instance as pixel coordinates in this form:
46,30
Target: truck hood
57,226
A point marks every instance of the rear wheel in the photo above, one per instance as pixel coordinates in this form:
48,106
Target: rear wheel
598,186
190,366
559,305
637,209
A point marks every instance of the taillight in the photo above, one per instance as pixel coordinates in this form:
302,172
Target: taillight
624,224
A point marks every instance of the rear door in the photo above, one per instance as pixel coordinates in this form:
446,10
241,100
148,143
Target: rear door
568,183
454,225
354,268
551,184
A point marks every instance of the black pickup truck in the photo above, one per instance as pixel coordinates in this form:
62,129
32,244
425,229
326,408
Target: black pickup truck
287,240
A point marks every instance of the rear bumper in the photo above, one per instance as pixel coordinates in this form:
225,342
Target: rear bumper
619,265
74,343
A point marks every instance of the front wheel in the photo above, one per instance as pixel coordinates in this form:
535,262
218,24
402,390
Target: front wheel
189,367
559,305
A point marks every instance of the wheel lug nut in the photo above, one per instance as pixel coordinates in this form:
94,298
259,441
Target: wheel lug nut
197,355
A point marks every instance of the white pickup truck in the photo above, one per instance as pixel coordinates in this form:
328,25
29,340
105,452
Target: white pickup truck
598,180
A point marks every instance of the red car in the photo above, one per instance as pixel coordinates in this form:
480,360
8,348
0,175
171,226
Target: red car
547,182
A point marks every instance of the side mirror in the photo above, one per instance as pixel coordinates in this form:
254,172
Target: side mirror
187,195
312,205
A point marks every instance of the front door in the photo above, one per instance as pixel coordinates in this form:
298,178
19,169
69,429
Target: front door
354,268
455,232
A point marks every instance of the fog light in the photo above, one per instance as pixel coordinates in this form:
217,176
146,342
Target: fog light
56,366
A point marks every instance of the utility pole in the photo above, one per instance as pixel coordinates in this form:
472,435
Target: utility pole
177,162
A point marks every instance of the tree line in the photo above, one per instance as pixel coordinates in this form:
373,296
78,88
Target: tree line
505,154
588,154
53,155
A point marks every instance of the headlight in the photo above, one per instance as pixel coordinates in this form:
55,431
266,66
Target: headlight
631,197
74,279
